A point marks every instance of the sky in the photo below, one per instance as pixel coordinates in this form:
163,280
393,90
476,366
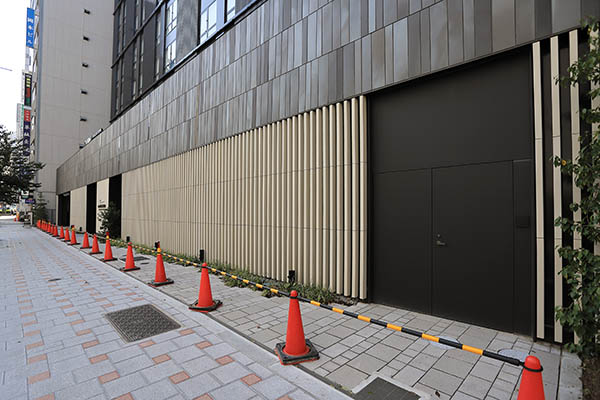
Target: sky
12,56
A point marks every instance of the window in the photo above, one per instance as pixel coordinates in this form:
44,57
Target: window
140,68
208,22
122,65
170,54
119,30
230,11
158,43
134,87
117,87
171,16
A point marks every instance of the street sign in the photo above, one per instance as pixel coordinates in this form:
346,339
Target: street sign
29,201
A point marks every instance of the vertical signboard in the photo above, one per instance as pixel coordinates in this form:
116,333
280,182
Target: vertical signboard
26,130
30,27
19,121
27,90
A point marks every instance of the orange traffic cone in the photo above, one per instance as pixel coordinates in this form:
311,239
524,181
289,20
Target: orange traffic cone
532,387
86,241
160,277
55,233
129,264
296,348
205,302
62,233
95,248
108,251
73,238
67,238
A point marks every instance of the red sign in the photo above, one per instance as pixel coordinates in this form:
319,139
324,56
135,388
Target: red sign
27,115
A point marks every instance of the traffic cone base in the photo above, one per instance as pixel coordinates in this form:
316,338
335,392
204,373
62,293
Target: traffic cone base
123,269
297,348
216,304
286,359
166,282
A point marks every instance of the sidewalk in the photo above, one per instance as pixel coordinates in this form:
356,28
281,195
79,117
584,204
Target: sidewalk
57,344
352,350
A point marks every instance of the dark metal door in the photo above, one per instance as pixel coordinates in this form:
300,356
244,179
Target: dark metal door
472,243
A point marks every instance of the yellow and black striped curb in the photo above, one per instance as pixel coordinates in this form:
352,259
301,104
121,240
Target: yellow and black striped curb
431,338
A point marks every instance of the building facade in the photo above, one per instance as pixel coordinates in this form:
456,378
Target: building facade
70,95
390,150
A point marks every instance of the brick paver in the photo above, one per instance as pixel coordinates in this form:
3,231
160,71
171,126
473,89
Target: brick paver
50,351
352,351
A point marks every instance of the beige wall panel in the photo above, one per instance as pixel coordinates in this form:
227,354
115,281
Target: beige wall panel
286,196
78,204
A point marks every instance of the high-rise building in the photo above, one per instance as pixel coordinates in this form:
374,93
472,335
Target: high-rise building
70,74
391,150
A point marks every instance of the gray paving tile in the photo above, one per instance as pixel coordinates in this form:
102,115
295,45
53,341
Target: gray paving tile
230,372
409,375
235,390
199,365
273,388
131,365
347,376
156,391
475,387
441,381
124,384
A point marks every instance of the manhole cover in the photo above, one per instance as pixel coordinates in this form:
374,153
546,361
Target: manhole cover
381,389
141,322
519,355
445,346
53,279
135,258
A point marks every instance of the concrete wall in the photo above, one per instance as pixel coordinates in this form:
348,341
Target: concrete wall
280,61
101,200
78,206
290,195
60,77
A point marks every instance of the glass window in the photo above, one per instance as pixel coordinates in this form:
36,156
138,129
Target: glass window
171,16
119,29
208,22
230,11
134,87
117,86
122,65
158,48
141,63
170,55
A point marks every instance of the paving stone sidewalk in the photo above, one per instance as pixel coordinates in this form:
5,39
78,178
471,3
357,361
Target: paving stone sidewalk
57,344
352,351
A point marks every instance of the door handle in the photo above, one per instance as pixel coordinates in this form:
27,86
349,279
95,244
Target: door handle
438,242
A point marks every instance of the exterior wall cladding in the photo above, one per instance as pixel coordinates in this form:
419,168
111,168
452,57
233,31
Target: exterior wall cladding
290,66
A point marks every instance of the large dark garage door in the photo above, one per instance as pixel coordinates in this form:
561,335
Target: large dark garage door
452,194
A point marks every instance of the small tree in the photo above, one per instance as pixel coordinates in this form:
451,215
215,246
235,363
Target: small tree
582,267
110,220
39,210
16,170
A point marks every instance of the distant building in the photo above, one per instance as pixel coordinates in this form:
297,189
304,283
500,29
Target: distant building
397,151
70,70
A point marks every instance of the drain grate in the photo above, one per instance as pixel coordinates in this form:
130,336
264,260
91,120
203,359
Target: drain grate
135,258
141,322
380,389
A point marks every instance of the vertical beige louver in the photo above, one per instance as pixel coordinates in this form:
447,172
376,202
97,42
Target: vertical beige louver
290,195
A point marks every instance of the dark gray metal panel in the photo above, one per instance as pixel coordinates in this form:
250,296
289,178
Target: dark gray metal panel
331,72
389,55
525,21
483,27
372,14
344,21
590,8
378,14
355,20
414,45
439,35
378,57
348,70
367,81
390,11
415,6
340,73
425,41
336,24
543,18
455,31
469,28
400,32
402,9
503,24
327,28
323,75
565,14
358,66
